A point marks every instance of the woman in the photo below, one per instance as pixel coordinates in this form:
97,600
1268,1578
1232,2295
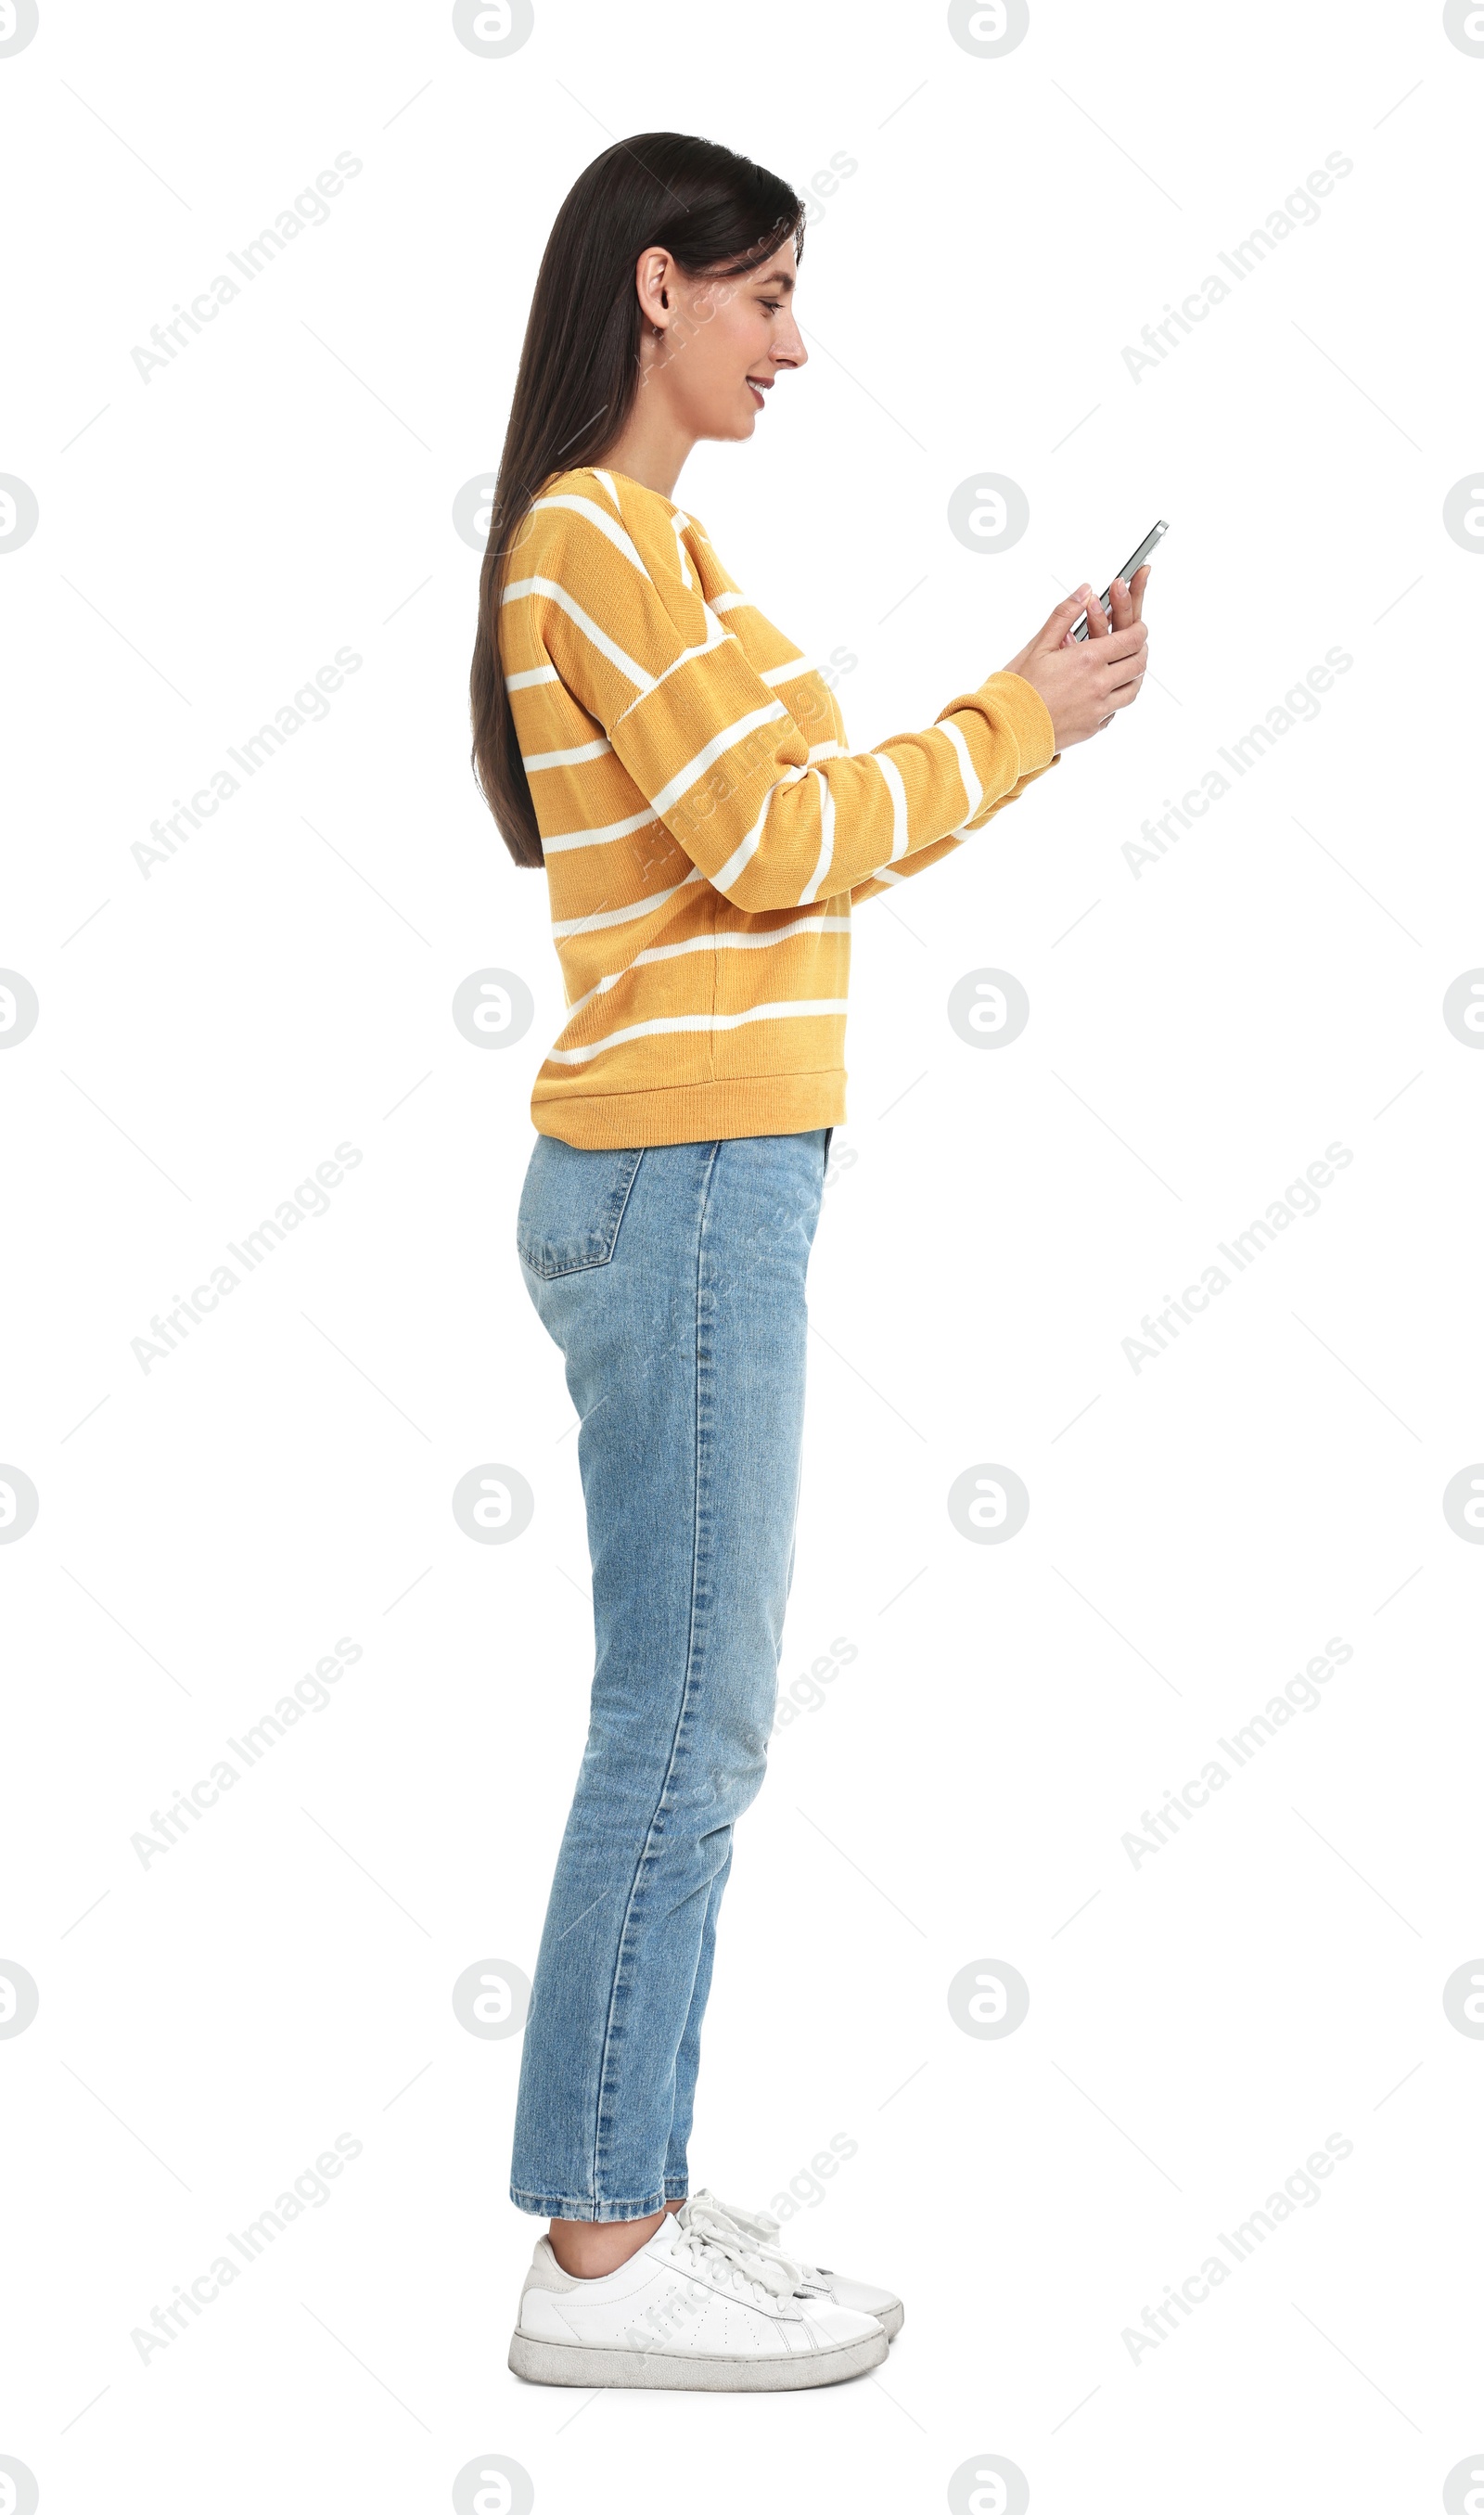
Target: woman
671,757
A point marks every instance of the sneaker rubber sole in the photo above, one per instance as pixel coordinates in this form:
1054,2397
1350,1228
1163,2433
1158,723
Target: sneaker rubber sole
573,2362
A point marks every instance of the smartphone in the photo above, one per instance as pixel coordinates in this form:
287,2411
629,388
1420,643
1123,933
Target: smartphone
1126,571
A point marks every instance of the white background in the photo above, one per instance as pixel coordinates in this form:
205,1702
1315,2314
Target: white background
1199,1034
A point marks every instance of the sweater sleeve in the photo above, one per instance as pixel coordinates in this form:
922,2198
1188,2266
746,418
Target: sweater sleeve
711,746
890,876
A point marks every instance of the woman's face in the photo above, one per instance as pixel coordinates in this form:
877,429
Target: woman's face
724,339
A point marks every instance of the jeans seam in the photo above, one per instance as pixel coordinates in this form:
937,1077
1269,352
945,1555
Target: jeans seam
714,1151
560,2204
586,1265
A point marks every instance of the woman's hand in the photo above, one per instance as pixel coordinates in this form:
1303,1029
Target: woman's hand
1083,683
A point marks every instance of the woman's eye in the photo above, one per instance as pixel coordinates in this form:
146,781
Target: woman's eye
772,305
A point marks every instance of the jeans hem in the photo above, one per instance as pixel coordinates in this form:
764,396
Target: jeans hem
562,2204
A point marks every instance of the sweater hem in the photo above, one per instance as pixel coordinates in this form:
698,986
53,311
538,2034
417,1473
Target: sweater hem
694,1113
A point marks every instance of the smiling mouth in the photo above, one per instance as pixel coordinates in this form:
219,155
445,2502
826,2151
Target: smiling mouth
758,386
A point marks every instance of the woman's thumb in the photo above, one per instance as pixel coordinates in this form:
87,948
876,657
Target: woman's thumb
1060,620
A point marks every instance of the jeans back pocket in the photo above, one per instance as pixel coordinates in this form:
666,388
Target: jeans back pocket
571,1205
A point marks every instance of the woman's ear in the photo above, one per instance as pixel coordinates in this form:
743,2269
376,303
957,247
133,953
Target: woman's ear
650,275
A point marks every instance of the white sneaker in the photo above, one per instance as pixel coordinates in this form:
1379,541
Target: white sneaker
701,2308
763,2235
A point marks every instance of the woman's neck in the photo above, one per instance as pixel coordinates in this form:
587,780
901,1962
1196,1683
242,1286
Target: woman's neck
651,447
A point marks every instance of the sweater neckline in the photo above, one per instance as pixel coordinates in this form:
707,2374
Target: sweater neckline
629,483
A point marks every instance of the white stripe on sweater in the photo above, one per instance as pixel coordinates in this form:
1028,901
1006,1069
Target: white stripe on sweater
572,759
599,918
716,635
711,751
882,873
611,531
601,837
826,853
546,588
819,1006
712,943
742,854
967,770
898,794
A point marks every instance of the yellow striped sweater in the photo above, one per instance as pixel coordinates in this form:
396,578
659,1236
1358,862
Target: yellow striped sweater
705,829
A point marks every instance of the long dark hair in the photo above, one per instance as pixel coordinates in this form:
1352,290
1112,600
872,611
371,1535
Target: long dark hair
580,368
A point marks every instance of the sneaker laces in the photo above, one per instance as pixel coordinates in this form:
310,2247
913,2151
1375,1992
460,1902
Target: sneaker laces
759,2235
709,2239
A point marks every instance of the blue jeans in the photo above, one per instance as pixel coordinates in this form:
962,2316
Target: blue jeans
672,1276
